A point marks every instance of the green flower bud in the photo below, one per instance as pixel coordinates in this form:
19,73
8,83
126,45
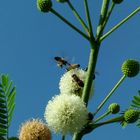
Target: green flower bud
44,5
130,68
13,138
114,108
131,116
62,1
117,1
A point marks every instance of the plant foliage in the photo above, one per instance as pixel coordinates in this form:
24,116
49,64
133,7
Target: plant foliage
7,104
136,104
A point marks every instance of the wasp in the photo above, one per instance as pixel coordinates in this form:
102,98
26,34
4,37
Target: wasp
72,66
60,61
77,80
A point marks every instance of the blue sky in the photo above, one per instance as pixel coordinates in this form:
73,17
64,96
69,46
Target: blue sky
30,39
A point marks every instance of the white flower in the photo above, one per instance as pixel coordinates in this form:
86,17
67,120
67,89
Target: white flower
66,114
68,85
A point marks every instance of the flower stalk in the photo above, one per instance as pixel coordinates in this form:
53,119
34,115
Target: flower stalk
120,23
69,24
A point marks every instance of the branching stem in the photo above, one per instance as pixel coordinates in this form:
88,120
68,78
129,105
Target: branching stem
78,16
119,24
69,24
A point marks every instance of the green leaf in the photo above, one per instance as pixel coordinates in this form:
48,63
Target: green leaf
3,131
3,115
1,95
2,105
2,138
8,88
2,100
137,98
3,126
3,121
10,114
3,111
5,79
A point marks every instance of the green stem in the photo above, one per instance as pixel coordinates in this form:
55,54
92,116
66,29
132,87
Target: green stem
108,16
110,94
91,68
88,19
77,136
113,120
63,137
68,23
104,9
78,16
102,116
120,23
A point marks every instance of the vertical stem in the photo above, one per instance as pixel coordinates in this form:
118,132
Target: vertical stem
103,14
91,68
77,136
89,19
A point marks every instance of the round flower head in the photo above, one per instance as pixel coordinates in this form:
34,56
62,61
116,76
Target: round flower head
114,108
130,68
66,114
131,115
44,5
34,130
117,1
72,82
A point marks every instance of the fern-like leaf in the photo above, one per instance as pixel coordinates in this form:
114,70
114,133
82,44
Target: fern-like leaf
7,105
136,104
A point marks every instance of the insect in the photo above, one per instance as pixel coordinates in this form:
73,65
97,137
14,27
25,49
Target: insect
60,61
76,79
72,66
90,116
93,74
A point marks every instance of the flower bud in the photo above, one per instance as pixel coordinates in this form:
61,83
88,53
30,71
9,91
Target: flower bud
117,1
114,108
131,116
44,5
130,68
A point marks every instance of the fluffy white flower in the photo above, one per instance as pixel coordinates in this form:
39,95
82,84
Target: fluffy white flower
68,85
66,114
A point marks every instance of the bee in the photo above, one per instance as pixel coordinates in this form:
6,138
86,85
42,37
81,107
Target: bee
72,66
93,74
90,116
60,61
76,79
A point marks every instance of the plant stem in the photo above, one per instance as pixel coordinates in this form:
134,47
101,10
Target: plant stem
113,120
77,136
90,72
102,116
110,94
104,9
88,19
68,23
108,16
78,16
120,23
63,137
